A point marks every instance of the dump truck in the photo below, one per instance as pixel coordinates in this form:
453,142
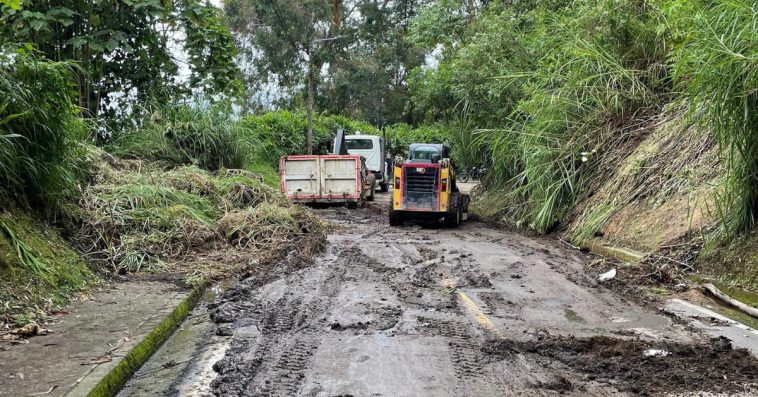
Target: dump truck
425,188
333,178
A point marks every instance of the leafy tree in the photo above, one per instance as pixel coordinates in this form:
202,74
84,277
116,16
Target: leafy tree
291,40
124,48
369,80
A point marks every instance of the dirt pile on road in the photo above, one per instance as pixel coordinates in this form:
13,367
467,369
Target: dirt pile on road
137,217
643,367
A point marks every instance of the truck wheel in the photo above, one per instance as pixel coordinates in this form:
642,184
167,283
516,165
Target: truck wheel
396,218
371,195
384,187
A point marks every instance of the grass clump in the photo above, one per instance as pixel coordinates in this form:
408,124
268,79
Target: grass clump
40,131
183,221
717,67
270,227
179,134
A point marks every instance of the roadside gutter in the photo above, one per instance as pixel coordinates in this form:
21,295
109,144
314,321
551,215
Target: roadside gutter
108,380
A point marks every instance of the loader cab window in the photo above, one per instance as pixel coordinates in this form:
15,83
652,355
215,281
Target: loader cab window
359,144
425,153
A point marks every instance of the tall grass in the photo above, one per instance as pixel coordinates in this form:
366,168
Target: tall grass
40,131
175,134
587,80
718,70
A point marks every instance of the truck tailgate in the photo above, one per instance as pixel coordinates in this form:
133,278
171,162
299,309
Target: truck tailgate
329,178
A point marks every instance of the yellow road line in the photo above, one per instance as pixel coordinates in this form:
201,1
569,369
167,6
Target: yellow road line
474,309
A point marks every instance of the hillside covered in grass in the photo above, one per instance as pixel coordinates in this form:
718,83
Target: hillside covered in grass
626,123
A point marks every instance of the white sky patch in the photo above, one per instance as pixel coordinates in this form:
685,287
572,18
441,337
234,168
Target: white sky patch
432,59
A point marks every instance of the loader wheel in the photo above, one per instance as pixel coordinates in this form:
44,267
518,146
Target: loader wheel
451,219
384,187
454,219
396,217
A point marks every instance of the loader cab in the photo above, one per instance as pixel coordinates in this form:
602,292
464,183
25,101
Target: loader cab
427,153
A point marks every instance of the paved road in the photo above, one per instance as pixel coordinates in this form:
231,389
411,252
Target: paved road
429,311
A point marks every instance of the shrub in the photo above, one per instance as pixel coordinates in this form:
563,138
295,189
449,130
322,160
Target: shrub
282,133
717,68
137,217
180,134
40,131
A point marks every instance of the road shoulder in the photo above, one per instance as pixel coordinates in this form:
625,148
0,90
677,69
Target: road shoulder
97,342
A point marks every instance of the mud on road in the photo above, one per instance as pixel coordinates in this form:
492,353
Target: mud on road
425,311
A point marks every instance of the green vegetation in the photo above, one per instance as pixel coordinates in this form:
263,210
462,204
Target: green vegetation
38,270
40,131
128,50
185,220
543,87
178,134
282,133
717,66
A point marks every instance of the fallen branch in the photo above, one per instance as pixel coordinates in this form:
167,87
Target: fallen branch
45,392
569,244
731,301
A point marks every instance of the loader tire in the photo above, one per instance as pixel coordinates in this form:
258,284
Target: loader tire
395,217
455,218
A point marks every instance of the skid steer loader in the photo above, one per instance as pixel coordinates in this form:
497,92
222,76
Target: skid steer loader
425,188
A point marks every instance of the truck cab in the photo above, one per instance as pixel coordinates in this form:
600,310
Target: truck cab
371,148
425,187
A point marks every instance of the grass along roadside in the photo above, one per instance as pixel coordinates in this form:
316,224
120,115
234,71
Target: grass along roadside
39,271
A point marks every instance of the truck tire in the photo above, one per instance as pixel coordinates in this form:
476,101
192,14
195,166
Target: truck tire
371,194
384,187
396,217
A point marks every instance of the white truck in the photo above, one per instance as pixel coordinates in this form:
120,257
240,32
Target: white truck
371,148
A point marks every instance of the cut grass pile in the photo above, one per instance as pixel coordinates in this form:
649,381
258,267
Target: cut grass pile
187,221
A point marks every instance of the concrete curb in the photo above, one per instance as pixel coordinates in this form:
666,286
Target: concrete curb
115,379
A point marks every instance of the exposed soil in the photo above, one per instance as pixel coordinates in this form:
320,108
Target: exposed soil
428,311
642,367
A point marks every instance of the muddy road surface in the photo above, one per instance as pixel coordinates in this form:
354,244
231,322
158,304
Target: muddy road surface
472,311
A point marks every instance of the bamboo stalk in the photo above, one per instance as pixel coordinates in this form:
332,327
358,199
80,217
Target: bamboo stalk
731,301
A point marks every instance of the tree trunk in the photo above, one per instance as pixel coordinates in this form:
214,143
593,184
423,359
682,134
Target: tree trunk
309,106
336,16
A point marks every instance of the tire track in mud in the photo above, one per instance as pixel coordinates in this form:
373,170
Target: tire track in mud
275,337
